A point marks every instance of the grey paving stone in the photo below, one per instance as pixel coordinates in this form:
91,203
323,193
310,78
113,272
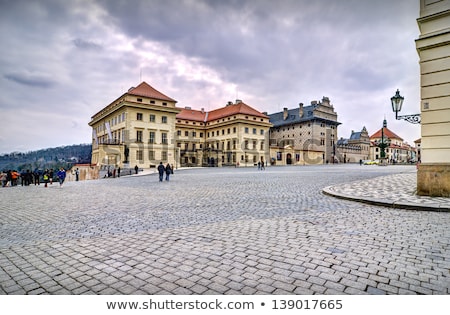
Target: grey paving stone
247,231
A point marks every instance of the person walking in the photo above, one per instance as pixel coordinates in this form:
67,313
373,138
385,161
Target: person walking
50,176
77,174
61,176
46,177
37,175
3,179
136,169
168,171
161,170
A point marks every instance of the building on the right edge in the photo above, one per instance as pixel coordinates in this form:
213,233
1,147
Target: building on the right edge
433,47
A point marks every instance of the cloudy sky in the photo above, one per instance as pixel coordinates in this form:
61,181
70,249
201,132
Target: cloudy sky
62,61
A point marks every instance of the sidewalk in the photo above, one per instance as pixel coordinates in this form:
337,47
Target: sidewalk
396,191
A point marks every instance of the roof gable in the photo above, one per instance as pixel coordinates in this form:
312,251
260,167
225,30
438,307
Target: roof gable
229,110
234,109
387,133
146,90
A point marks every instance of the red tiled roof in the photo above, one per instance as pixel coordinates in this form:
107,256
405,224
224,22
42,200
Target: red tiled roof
232,109
387,133
191,114
144,89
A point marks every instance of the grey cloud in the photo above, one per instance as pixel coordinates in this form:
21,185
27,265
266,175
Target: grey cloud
86,44
31,79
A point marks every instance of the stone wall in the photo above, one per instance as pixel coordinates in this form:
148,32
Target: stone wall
433,180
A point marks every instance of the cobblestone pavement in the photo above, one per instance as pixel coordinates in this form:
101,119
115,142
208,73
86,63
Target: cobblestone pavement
397,190
219,231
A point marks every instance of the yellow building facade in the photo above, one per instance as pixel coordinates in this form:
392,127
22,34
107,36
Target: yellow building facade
144,127
233,135
137,129
433,47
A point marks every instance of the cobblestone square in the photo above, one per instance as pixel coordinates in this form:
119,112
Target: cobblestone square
220,231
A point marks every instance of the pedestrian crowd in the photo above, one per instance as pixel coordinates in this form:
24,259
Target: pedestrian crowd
13,178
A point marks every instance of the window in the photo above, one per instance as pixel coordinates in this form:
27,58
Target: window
152,118
139,155
254,144
194,134
139,99
164,119
139,136
234,129
201,134
186,133
151,155
194,147
164,104
139,116
164,155
152,102
246,129
151,138
178,132
164,138
262,132
246,145
262,146
254,131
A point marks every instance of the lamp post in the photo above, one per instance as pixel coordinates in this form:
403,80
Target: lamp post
397,102
383,144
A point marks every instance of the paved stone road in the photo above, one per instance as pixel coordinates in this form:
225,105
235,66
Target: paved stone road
219,231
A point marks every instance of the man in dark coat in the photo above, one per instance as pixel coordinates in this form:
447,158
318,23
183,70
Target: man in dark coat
161,170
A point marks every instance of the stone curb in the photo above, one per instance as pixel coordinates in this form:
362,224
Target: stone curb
385,203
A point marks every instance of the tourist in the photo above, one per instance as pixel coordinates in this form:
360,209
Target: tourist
46,177
168,171
61,176
161,170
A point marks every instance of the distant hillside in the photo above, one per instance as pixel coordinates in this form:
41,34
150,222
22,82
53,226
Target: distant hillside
54,158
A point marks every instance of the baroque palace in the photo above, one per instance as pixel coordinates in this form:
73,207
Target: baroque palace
144,127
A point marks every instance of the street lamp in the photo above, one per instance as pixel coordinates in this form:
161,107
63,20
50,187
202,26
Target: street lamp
397,102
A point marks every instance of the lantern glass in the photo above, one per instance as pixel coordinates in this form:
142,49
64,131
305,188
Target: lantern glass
397,102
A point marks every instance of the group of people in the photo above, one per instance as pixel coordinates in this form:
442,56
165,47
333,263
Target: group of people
164,169
261,165
11,178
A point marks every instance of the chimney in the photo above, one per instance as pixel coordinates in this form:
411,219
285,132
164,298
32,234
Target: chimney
203,110
300,112
229,103
285,113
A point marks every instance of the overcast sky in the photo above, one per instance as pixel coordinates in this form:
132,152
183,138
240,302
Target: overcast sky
63,61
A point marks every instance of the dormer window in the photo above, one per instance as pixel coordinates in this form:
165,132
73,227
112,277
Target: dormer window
139,100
